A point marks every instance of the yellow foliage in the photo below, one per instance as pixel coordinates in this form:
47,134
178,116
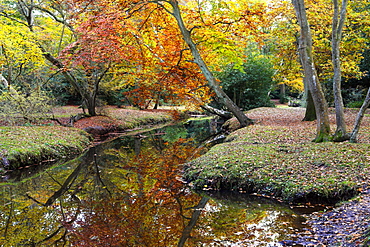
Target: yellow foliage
296,84
18,46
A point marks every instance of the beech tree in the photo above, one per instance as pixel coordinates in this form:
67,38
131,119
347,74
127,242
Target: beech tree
284,35
339,17
306,56
231,106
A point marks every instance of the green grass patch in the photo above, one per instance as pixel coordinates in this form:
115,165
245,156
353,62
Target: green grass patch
294,173
276,157
133,118
23,146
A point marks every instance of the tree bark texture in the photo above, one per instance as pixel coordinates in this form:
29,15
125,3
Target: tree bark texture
310,114
339,17
359,117
212,82
305,52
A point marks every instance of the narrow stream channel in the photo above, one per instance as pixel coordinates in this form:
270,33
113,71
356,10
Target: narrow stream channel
128,192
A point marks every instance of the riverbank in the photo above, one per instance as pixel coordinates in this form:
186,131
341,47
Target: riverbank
22,146
277,158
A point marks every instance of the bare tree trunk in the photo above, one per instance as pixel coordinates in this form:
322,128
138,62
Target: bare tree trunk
305,52
194,218
4,81
212,82
310,114
359,117
337,29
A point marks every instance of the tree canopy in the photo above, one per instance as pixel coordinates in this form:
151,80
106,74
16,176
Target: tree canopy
169,51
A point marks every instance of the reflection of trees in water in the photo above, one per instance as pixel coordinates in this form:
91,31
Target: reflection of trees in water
115,195
147,204
35,207
119,197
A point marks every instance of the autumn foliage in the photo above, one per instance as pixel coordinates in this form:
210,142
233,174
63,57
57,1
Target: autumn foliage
135,212
144,49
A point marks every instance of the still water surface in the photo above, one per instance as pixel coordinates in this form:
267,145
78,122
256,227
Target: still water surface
127,192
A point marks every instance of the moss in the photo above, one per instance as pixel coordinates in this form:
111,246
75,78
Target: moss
23,146
254,161
27,145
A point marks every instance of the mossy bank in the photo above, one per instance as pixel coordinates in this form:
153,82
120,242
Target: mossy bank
21,146
280,160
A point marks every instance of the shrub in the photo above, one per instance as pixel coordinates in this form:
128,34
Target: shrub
355,104
17,107
249,86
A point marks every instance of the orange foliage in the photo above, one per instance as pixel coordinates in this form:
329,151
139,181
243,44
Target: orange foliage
142,44
137,214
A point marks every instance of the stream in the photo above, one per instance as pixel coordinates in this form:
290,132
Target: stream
128,192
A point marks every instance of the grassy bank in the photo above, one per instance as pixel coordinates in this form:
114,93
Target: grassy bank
276,157
23,146
129,119
26,145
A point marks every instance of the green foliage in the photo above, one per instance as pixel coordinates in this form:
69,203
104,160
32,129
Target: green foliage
353,97
61,90
355,104
19,107
250,85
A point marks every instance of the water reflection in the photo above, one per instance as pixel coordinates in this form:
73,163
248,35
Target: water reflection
235,219
128,193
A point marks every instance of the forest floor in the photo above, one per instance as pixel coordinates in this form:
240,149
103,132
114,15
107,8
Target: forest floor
276,157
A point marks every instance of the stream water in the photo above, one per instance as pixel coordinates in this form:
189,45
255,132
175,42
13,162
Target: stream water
127,192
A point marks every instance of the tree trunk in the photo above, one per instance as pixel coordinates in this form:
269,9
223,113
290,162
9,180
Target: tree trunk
4,81
91,105
359,117
305,52
89,100
310,114
81,89
282,94
193,220
337,28
212,82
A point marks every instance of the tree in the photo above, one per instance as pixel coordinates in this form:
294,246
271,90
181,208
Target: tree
306,56
222,96
338,23
249,87
359,117
339,17
48,24
353,42
185,64
19,56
